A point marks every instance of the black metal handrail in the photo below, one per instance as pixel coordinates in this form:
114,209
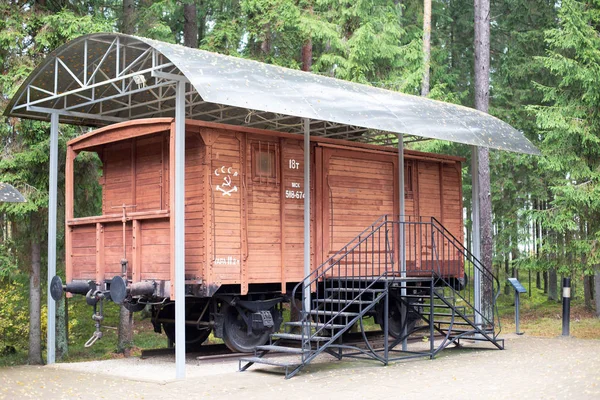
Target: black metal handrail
319,272
489,316
430,250
357,250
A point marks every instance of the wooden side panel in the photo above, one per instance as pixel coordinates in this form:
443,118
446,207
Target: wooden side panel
155,249
148,173
264,216
452,198
136,256
83,251
429,195
226,208
113,248
429,189
117,177
292,155
100,252
194,206
69,213
360,190
451,184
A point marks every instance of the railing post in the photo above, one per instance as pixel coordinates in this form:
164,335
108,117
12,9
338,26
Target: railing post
386,327
306,291
52,196
401,237
476,233
431,341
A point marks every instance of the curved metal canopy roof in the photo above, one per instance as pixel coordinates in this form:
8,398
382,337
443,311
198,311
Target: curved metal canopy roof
8,194
100,79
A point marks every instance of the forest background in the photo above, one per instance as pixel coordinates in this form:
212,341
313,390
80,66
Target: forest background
544,71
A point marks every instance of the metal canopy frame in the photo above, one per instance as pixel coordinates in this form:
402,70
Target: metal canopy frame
100,79
104,78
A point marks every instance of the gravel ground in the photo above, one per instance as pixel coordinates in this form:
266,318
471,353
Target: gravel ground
529,368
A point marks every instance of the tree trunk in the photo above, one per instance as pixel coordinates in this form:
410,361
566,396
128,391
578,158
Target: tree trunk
265,46
426,47
485,223
587,291
307,52
507,274
35,312
552,284
62,344
190,26
125,332
597,290
127,22
201,8
482,94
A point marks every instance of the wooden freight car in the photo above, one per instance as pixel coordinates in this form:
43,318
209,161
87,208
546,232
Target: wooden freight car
243,215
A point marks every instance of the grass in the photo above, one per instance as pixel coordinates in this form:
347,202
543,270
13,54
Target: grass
542,317
539,317
82,328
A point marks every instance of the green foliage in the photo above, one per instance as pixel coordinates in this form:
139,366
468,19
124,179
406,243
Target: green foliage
14,314
569,120
58,28
544,72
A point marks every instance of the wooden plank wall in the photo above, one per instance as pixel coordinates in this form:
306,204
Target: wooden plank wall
148,173
226,209
194,206
83,252
155,250
117,177
264,215
293,209
359,189
243,230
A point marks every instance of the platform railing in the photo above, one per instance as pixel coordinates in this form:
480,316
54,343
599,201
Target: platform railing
343,285
486,314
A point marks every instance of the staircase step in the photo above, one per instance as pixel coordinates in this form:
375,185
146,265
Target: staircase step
437,314
348,290
334,313
281,349
488,331
343,301
442,306
293,336
417,296
269,361
454,323
314,325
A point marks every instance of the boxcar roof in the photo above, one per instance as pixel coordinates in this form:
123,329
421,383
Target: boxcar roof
136,128
104,78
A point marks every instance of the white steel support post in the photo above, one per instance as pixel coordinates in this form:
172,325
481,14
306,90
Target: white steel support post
180,230
476,232
401,231
307,257
53,177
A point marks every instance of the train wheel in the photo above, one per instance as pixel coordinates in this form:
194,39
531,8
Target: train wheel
193,336
235,331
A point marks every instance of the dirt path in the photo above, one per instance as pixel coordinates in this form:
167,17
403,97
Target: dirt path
530,368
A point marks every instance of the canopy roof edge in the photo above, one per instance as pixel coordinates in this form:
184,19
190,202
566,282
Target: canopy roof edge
103,78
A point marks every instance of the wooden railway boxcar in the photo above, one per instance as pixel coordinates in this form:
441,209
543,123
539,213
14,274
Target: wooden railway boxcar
243,211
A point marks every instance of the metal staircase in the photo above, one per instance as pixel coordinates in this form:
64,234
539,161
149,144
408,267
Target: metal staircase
366,279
